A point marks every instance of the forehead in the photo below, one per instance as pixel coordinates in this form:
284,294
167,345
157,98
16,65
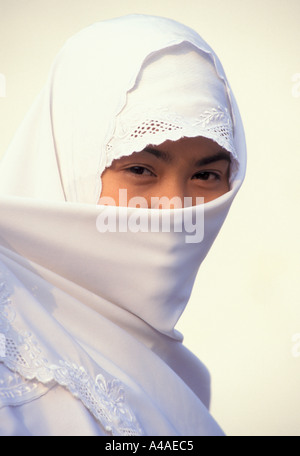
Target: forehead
199,145
187,149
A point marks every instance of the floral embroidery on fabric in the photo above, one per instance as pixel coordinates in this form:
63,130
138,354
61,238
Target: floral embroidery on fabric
7,314
15,390
215,114
136,129
105,399
2,345
20,352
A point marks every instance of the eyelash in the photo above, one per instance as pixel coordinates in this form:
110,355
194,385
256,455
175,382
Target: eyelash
216,176
133,170
204,174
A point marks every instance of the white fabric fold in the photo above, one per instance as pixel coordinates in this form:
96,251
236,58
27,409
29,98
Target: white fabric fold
196,105
66,133
87,313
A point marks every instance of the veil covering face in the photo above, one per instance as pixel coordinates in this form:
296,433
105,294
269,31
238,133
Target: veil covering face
88,343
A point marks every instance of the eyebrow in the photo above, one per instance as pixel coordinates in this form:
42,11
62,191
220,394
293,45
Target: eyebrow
158,154
221,155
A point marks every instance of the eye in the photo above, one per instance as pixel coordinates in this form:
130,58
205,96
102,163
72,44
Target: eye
206,175
140,171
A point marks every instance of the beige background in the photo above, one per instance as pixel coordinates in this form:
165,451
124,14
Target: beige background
243,320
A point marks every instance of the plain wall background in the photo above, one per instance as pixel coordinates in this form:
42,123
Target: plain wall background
243,319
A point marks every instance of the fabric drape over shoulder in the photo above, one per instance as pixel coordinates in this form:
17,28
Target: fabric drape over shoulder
88,344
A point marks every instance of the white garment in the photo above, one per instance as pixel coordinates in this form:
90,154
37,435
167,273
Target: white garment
92,315
201,106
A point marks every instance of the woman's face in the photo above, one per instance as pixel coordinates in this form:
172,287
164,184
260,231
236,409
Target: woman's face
190,167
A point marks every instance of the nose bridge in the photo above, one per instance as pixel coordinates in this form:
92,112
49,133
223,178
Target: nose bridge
171,194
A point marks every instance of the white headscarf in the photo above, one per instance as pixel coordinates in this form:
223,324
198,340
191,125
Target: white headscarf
95,312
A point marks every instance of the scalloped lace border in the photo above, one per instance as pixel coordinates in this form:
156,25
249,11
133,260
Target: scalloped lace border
20,352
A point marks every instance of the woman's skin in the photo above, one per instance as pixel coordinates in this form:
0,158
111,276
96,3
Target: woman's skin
189,167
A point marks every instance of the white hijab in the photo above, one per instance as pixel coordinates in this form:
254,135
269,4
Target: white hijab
92,312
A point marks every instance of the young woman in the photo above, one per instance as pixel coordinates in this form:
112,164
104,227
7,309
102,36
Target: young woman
112,193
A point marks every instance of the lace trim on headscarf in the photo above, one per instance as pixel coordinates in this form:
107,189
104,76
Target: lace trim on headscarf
21,353
138,129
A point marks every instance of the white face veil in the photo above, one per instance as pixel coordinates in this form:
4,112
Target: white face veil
94,312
